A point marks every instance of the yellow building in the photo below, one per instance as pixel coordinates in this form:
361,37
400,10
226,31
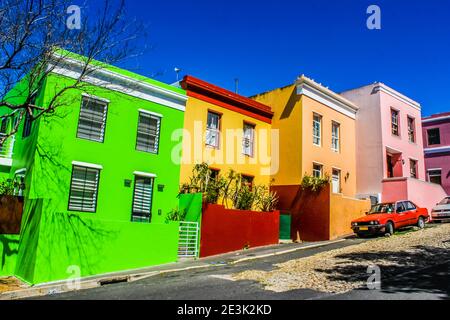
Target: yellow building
317,137
227,131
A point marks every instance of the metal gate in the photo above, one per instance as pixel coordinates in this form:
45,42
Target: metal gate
188,240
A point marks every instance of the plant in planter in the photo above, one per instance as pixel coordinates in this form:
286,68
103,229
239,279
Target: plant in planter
266,200
202,181
315,184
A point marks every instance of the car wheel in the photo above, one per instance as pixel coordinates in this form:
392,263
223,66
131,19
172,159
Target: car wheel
421,223
389,229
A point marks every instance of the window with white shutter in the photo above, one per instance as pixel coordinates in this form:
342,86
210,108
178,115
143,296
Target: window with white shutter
92,120
248,139
83,189
213,130
142,198
148,132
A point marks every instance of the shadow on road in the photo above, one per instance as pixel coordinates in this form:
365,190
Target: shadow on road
401,272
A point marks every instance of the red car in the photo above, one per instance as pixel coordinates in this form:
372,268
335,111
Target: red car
385,218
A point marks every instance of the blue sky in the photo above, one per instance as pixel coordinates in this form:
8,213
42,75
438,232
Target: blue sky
267,44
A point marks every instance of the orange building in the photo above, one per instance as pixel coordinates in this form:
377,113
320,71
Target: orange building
317,134
227,131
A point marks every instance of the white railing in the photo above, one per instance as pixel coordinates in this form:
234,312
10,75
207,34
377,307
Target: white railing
6,148
188,240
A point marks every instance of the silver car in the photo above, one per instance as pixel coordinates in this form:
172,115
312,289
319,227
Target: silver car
442,211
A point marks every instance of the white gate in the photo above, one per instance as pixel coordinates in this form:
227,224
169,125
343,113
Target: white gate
188,240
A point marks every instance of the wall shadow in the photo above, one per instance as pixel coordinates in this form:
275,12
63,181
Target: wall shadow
402,272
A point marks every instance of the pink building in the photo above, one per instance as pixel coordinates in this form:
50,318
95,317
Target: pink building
436,137
390,159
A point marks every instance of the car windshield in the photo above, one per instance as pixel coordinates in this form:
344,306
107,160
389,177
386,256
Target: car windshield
382,208
445,201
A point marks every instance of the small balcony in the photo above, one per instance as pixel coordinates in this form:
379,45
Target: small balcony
6,151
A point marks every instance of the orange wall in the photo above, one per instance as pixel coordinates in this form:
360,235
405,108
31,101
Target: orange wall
293,118
343,211
195,150
345,160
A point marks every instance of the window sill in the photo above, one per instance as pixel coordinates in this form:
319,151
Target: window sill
212,147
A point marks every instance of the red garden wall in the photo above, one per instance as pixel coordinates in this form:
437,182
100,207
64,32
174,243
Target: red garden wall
225,230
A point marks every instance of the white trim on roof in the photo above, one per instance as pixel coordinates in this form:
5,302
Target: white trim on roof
437,149
114,81
151,113
315,91
87,165
381,87
427,120
145,174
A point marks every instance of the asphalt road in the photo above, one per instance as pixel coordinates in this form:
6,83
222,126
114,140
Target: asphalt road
215,284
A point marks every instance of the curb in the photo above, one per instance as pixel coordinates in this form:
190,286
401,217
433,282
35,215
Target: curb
62,287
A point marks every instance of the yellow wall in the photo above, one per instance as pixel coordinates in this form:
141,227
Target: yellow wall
293,118
195,126
343,211
286,105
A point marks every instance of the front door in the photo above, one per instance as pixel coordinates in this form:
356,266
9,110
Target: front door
336,181
390,167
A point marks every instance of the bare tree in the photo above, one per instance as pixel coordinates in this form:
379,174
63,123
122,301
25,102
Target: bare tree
32,34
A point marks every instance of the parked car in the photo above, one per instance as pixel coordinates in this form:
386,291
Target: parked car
442,211
385,218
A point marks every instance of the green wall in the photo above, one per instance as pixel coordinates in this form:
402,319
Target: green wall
9,245
53,238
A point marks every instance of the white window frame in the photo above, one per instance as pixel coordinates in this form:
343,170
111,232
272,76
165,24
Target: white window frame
335,136
97,168
248,150
143,216
339,179
411,129
146,114
416,164
211,130
434,175
100,101
317,138
320,171
395,123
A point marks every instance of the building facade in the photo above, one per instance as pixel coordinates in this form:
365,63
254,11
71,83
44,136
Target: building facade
98,176
317,138
226,131
390,161
317,134
436,137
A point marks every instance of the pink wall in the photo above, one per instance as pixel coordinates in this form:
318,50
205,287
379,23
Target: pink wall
401,143
444,128
374,136
423,194
440,159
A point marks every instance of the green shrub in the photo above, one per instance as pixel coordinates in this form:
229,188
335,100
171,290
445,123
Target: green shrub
315,184
7,187
266,200
176,215
232,190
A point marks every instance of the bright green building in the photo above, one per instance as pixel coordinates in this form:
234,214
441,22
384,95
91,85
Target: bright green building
99,176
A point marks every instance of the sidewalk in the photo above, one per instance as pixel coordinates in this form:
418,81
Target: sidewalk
20,291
